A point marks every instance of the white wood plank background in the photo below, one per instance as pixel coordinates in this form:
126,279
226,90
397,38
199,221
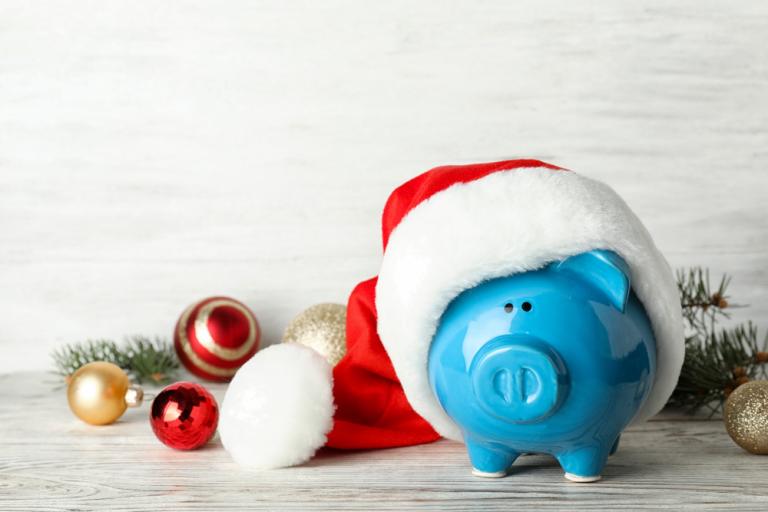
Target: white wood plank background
153,153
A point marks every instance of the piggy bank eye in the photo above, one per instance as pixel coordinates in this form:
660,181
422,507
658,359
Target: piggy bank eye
508,307
527,306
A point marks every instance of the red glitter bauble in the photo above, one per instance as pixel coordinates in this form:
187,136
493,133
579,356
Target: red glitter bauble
215,336
184,416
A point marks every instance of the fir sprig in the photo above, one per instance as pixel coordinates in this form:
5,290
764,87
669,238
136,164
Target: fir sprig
717,360
701,305
144,359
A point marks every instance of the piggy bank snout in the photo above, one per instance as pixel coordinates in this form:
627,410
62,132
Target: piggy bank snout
518,379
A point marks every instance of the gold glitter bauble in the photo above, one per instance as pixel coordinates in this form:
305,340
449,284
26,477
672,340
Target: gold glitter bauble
746,416
98,393
323,328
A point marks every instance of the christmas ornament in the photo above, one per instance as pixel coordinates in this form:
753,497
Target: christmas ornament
215,336
321,327
445,232
99,392
184,416
746,416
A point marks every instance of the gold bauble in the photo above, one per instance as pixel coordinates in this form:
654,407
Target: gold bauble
98,393
746,416
323,328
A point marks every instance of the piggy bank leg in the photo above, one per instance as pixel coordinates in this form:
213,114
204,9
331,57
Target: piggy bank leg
615,446
584,464
489,461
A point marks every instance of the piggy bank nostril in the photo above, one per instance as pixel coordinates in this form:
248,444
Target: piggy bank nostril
528,385
502,384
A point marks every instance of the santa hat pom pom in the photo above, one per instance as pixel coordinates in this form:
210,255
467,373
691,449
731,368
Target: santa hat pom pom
278,408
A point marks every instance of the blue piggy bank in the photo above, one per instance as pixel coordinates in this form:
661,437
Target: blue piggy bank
556,361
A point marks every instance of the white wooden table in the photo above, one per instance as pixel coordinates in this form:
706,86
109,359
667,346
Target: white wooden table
51,461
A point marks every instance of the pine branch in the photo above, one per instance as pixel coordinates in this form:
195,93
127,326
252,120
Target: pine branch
151,359
144,359
701,305
69,358
717,361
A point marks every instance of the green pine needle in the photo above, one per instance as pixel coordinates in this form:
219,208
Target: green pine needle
717,360
143,358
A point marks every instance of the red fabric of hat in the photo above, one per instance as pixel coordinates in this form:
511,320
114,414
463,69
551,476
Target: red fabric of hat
371,408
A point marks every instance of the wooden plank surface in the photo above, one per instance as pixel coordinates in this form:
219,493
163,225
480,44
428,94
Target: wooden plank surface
51,461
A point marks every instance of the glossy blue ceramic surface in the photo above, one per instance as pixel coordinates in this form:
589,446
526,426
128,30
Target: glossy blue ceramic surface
555,361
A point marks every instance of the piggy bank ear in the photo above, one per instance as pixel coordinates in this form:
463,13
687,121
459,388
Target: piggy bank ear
605,270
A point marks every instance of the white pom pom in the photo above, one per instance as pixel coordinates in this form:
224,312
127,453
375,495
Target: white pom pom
278,407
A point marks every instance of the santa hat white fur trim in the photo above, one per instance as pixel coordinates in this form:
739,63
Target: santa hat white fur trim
278,408
505,223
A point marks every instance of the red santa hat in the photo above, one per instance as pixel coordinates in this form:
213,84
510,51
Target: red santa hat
444,232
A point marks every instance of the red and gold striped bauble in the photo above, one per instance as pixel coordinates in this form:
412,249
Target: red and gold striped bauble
215,336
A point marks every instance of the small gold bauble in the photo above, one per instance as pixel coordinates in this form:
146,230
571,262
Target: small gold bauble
746,416
323,328
98,393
